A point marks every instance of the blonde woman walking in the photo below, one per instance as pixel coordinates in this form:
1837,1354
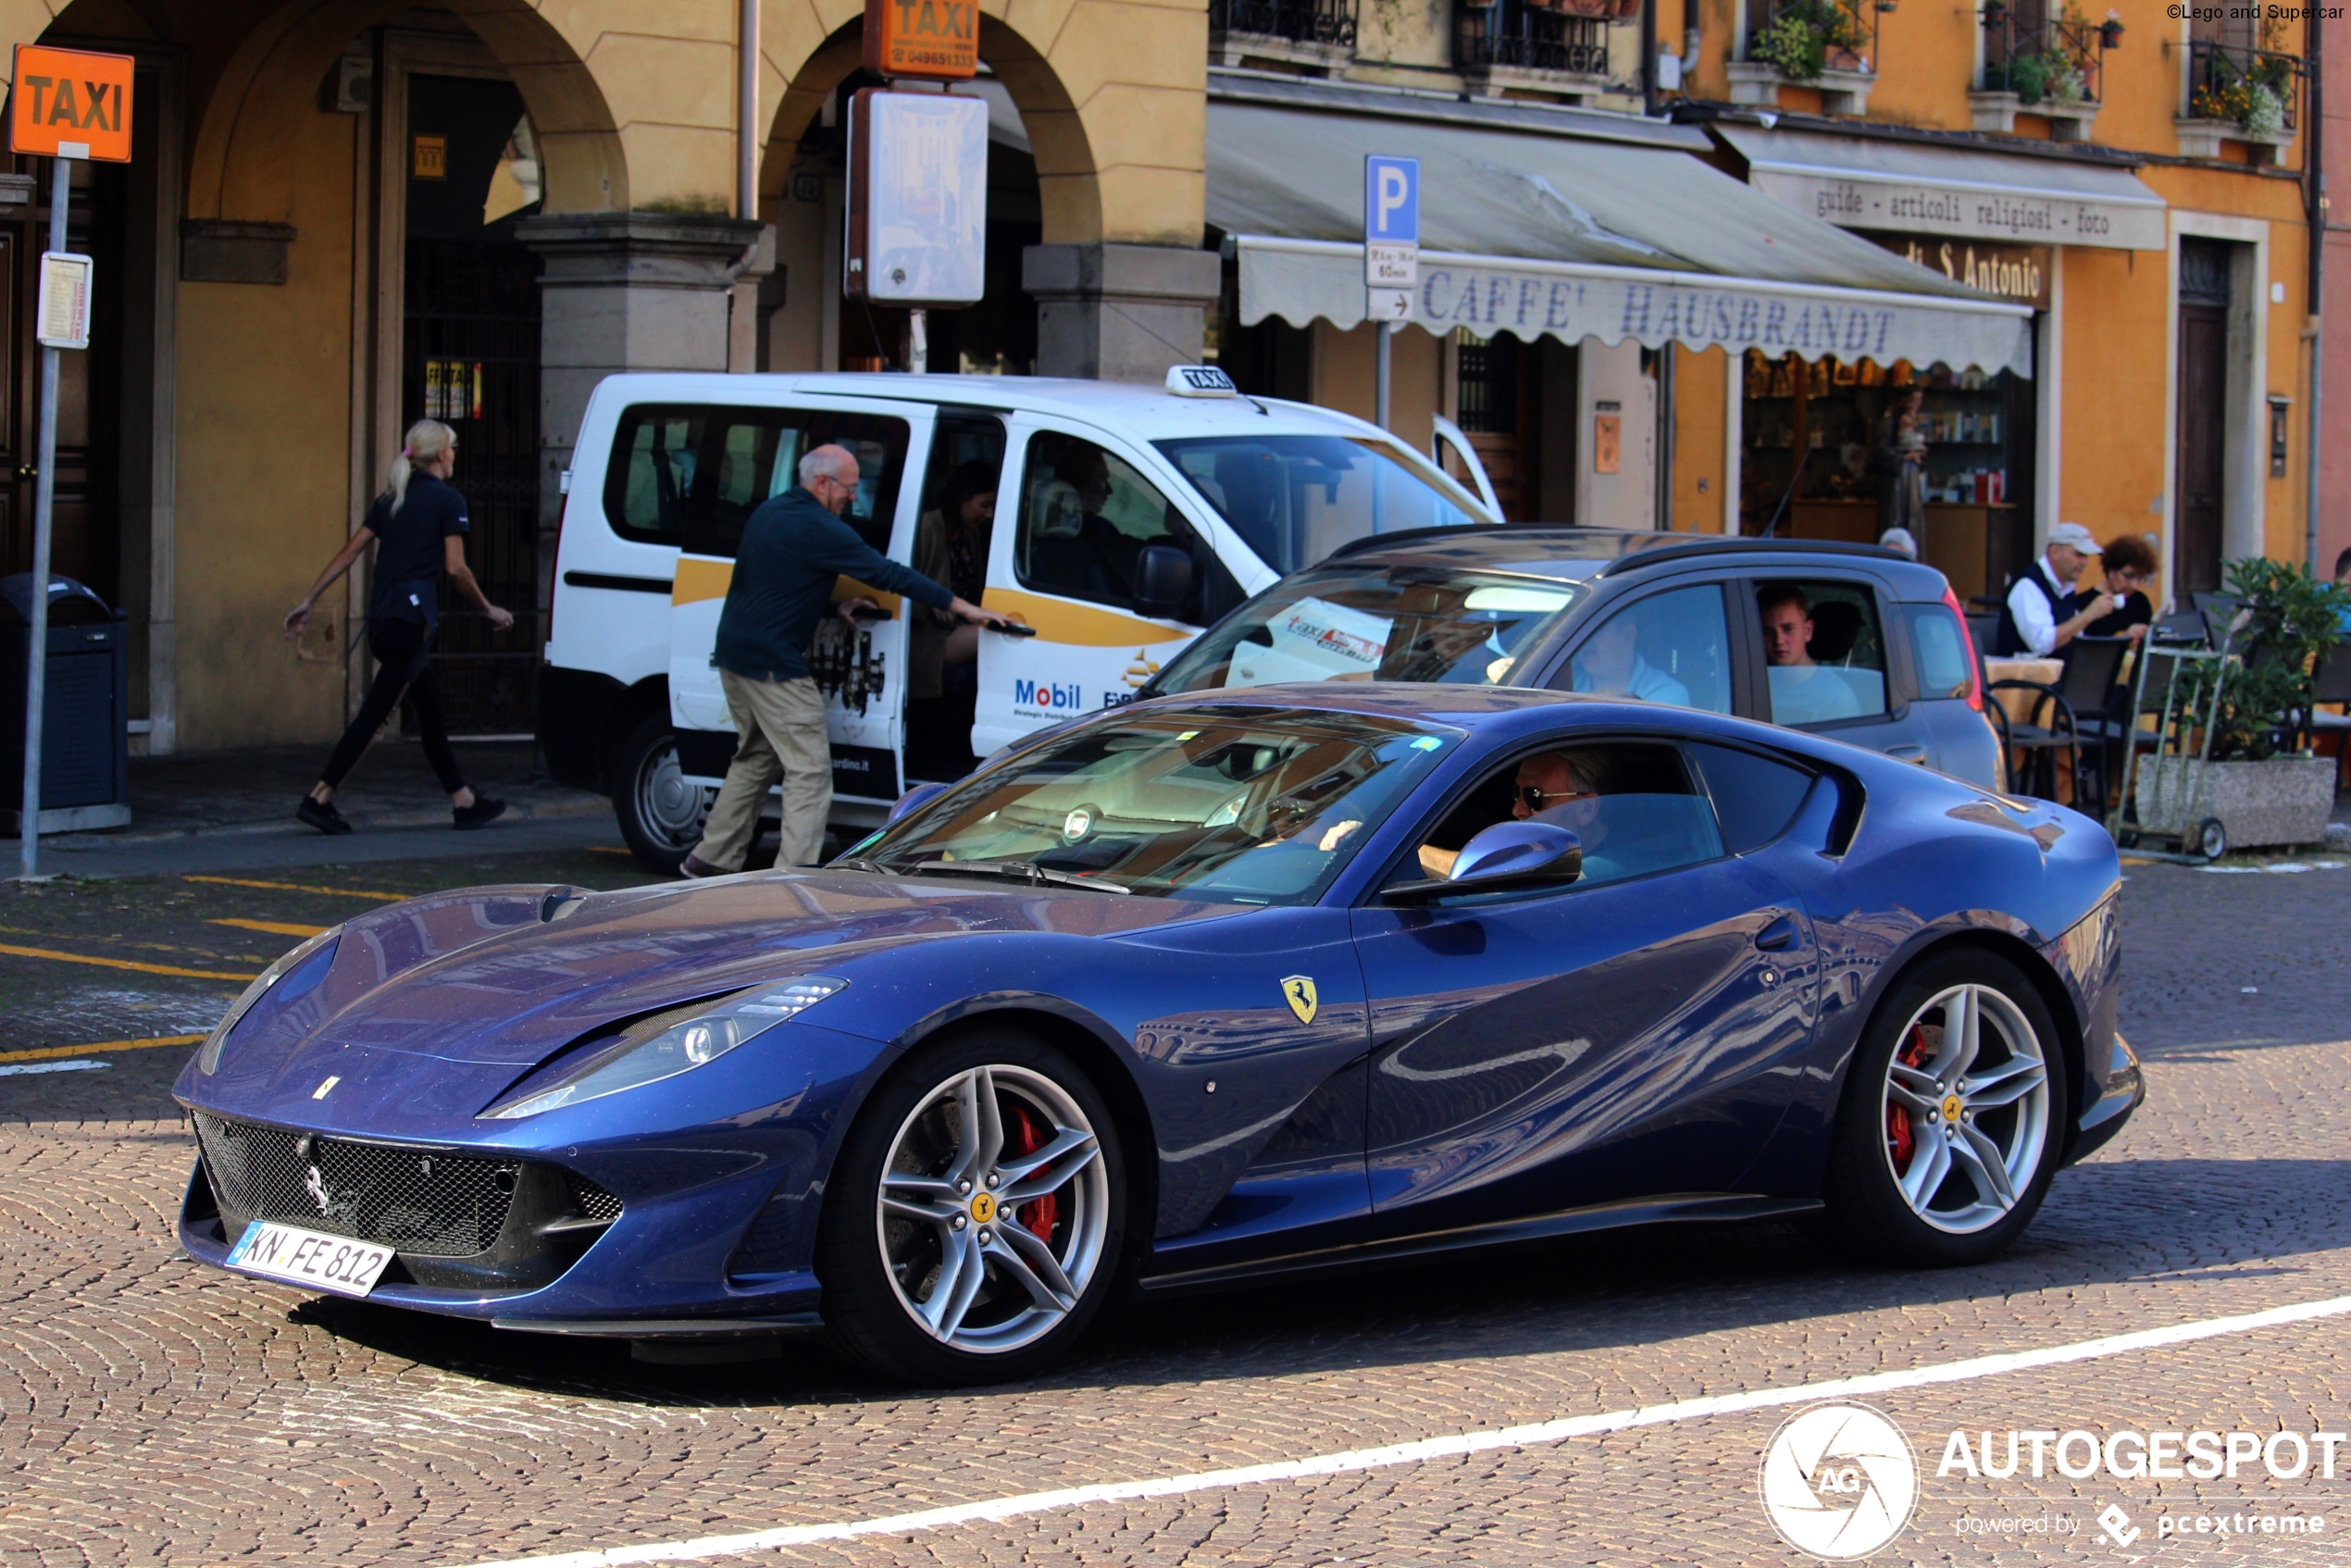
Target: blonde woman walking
420,523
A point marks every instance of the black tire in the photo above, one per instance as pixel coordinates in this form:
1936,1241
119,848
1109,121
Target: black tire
660,816
1869,1213
872,1282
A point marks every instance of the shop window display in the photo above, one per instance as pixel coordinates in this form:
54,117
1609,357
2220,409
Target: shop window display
1944,453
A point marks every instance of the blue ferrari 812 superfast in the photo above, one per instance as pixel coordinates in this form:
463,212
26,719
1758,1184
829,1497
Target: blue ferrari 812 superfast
1296,979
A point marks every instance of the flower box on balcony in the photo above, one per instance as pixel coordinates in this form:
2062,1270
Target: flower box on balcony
1841,92
2202,138
2068,121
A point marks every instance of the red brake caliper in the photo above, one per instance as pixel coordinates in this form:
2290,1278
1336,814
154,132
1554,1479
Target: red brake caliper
1898,1136
1028,1136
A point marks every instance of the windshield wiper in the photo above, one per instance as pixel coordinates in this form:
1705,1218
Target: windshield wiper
1026,870
854,862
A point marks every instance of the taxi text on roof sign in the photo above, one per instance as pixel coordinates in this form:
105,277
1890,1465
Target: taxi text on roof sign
70,103
937,40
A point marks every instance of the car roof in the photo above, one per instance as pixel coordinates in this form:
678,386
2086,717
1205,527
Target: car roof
1464,705
1148,411
1545,548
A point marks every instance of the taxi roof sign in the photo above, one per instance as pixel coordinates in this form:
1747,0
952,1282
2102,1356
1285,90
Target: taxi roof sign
72,104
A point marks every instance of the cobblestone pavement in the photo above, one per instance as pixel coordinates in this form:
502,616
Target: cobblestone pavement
152,1412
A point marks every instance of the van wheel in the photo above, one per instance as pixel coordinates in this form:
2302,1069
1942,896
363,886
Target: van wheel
661,813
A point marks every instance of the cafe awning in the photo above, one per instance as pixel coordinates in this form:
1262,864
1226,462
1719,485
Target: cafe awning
1967,193
1575,237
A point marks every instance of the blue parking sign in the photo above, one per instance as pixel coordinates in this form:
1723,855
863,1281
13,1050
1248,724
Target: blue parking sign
1391,199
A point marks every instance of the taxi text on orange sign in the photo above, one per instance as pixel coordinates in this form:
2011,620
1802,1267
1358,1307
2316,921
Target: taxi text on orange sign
934,39
70,101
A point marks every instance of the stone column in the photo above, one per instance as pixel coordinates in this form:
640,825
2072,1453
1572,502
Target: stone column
625,291
1119,313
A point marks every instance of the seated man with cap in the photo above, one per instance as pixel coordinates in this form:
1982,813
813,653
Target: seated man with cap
2043,613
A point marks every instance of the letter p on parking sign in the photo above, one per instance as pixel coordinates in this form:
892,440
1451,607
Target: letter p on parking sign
70,103
1391,200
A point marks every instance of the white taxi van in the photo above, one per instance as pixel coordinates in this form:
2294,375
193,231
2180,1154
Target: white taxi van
1113,521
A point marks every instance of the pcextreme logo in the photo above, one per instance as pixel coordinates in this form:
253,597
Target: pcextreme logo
1838,1481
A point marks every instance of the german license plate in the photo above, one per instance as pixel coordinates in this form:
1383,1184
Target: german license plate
307,1257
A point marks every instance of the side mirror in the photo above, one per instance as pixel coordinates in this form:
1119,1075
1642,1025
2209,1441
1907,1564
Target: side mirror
913,800
1162,580
1505,856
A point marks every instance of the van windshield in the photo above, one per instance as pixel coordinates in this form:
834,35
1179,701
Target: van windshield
1295,499
1376,623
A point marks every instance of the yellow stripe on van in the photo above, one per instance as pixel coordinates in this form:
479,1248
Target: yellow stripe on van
1080,626
701,576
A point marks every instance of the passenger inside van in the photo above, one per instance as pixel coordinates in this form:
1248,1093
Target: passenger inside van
950,547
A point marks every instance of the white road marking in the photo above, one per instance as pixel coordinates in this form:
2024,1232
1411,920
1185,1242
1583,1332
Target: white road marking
1532,1435
75,1066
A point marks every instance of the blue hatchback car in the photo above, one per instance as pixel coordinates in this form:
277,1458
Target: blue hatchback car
1284,978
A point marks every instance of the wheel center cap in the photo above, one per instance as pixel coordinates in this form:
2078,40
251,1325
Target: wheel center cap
1951,1107
983,1206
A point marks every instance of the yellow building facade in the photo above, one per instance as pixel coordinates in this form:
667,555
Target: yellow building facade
345,215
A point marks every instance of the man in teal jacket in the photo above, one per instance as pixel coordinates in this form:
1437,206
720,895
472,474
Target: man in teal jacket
794,548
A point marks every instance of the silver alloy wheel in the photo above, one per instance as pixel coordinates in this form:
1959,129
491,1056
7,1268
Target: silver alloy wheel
669,808
1968,1090
992,1209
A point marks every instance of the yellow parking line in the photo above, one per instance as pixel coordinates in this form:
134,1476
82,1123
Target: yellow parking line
608,849
274,927
56,956
304,887
57,1050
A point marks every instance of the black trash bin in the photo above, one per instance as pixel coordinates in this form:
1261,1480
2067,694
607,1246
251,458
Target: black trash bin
85,735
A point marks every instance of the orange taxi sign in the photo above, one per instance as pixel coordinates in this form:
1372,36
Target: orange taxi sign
933,40
70,103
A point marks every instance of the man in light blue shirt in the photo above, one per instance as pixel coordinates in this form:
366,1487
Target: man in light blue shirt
1608,664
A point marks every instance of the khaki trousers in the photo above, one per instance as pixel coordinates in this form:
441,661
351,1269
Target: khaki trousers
782,726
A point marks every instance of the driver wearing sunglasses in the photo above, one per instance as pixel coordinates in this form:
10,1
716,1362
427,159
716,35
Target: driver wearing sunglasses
1550,787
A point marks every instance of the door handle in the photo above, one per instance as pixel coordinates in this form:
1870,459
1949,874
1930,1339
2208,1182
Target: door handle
1908,753
1778,937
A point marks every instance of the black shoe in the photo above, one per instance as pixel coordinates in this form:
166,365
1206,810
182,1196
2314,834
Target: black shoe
485,809
322,816
694,870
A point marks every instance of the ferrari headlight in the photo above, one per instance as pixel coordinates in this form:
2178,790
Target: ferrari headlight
208,1054
668,1043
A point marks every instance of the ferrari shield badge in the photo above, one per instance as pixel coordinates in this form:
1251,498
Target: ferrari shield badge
1299,992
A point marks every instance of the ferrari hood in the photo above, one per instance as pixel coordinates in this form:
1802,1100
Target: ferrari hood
483,978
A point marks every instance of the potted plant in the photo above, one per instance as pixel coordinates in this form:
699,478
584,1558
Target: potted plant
2243,777
1808,37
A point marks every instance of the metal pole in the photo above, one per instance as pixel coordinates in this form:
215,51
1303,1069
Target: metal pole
1380,380
2315,201
1665,438
747,110
44,493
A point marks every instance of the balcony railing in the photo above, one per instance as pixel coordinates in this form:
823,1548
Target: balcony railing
2258,91
2048,64
1314,24
1516,34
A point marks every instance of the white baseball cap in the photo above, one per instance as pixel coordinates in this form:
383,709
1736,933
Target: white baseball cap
2075,535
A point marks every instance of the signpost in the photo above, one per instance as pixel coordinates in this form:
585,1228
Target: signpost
1391,253
917,169
66,105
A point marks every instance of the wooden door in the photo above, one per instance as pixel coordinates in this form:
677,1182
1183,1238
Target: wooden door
1498,398
2203,365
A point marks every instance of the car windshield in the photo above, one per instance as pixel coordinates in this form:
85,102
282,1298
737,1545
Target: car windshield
1295,499
1376,623
1228,804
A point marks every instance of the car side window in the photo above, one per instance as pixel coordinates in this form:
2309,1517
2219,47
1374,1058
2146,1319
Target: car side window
1633,804
1938,645
1673,648
691,475
1087,514
1755,797
1824,650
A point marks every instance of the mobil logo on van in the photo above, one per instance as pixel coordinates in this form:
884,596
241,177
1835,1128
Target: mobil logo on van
1048,697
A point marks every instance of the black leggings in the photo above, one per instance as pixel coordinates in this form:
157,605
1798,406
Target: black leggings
401,665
